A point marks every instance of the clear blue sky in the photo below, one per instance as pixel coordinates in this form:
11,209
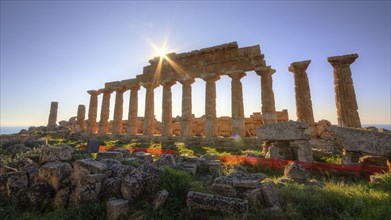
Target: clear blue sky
56,51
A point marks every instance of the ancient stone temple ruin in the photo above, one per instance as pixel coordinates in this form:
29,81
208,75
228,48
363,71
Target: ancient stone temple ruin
207,64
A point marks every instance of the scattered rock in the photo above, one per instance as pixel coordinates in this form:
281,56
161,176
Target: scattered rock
150,176
40,195
50,154
16,185
373,160
111,188
110,155
284,131
160,199
210,202
132,185
62,197
55,173
296,172
314,182
115,208
144,157
166,160
270,194
223,189
94,167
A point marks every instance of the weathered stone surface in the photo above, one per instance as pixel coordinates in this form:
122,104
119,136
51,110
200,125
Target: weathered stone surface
94,167
16,185
160,199
373,160
285,131
92,111
116,207
270,194
351,139
52,122
62,197
223,189
55,173
143,156
280,150
321,129
303,149
166,160
51,153
296,172
111,188
132,185
16,148
240,179
228,205
314,182
267,94
40,194
150,176
110,155
88,189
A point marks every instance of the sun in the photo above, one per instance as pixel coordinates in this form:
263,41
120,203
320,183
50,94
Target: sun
159,51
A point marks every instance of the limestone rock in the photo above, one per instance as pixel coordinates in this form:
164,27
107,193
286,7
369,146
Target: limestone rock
144,157
166,160
88,189
16,148
321,129
54,173
40,195
16,185
284,131
150,176
132,185
227,205
296,172
62,197
94,167
110,155
373,160
314,182
160,199
30,167
116,207
50,153
223,189
111,188
351,139
270,194
240,179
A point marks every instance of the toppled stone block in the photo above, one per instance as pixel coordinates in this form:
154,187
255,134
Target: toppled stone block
114,155
54,173
144,157
304,150
132,185
373,160
296,172
61,198
210,202
270,194
376,143
111,188
284,131
88,189
223,189
116,207
160,199
94,167
166,160
16,185
150,175
51,153
240,179
40,194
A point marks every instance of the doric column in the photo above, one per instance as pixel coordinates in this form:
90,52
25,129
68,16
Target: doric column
92,111
268,105
105,111
81,116
134,86
345,96
238,128
187,115
52,122
118,110
167,108
210,104
304,110
149,115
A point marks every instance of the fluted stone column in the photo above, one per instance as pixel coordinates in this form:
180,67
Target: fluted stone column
238,128
118,110
133,107
304,110
210,104
268,104
105,111
81,116
52,122
167,109
149,115
187,115
92,111
345,96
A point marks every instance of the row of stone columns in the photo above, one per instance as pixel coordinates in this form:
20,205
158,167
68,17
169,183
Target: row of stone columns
238,121
345,96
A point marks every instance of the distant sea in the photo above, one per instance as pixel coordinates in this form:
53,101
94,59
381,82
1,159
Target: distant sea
16,129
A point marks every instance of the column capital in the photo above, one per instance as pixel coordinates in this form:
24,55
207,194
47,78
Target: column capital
168,83
105,90
120,89
299,66
149,85
264,70
186,80
94,92
342,60
210,77
236,74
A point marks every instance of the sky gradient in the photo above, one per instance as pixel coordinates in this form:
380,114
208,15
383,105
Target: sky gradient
56,51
